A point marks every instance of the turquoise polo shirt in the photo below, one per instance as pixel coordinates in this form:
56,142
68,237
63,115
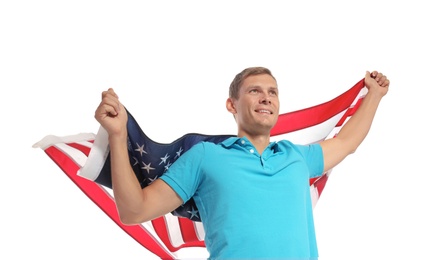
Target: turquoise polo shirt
252,206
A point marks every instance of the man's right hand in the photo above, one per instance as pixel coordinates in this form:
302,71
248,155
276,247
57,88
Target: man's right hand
111,114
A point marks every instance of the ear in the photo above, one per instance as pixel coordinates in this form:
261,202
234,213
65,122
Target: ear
230,105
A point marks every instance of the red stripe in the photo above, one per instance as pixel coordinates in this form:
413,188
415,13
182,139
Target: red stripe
82,148
189,233
100,197
320,183
349,112
161,228
311,116
312,180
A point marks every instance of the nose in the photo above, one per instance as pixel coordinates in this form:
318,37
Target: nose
265,99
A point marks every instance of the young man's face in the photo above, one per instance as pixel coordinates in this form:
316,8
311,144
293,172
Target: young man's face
257,109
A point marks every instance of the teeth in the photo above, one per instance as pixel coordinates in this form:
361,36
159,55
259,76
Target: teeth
264,111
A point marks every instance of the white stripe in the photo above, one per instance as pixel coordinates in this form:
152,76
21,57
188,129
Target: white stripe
314,195
149,227
200,230
314,191
361,94
51,140
75,155
109,191
97,156
85,143
174,232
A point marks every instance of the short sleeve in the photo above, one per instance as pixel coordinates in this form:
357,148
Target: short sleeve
183,176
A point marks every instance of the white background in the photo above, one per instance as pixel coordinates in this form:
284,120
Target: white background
171,63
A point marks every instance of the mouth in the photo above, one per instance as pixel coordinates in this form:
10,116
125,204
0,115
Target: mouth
264,111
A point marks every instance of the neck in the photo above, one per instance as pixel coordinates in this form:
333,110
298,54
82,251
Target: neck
260,142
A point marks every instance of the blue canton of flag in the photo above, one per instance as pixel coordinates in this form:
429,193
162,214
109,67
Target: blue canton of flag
150,159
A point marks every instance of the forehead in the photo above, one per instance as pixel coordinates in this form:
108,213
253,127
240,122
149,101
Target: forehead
262,80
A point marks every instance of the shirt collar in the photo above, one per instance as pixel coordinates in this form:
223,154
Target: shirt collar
233,140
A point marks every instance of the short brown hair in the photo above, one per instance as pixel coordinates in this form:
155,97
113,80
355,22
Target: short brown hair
241,76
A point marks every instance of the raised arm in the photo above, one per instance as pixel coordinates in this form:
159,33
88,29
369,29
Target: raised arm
134,204
356,129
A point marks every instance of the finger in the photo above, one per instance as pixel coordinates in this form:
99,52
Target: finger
109,92
369,75
108,110
377,76
105,110
110,98
385,83
112,91
380,78
368,78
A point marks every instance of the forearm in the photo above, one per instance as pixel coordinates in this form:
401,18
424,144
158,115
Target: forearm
134,204
356,129
127,190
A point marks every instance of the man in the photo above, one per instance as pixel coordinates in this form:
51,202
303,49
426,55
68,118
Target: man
252,194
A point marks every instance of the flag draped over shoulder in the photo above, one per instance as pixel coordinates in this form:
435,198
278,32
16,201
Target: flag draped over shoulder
85,160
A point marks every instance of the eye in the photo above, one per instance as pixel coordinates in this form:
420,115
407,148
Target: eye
273,92
254,91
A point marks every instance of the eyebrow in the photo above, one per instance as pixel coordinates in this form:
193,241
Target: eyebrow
257,86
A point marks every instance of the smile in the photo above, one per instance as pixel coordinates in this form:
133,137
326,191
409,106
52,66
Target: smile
264,111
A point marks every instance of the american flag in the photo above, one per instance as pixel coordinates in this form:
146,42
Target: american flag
84,158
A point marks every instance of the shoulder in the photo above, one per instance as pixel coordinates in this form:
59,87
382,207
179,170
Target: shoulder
286,145
203,146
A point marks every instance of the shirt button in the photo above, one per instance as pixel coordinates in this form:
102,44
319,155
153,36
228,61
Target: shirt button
251,150
242,141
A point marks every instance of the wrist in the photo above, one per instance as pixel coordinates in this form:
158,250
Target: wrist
119,137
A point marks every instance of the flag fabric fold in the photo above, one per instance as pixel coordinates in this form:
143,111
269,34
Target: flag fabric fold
85,160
